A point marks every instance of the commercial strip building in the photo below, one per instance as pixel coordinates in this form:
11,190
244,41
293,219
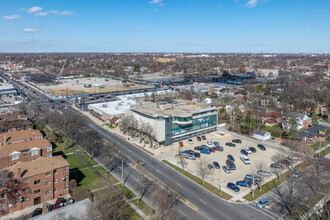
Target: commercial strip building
37,175
176,121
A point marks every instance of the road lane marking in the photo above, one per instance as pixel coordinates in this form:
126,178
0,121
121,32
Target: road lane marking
157,181
178,184
260,210
202,201
159,171
182,213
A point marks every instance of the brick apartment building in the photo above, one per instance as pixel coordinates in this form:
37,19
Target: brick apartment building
37,175
14,122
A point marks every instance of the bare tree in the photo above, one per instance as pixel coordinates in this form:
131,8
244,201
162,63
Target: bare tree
90,140
182,160
202,170
260,166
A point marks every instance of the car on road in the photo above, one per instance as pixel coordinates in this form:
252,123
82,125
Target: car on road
50,100
190,141
232,186
263,173
296,174
218,148
230,157
205,151
277,166
261,147
203,137
245,159
140,162
231,164
237,141
243,183
211,167
262,203
216,165
199,138
243,151
36,212
253,149
226,169
247,149
62,101
230,144
180,144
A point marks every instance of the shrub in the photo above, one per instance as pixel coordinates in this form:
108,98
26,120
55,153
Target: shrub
59,140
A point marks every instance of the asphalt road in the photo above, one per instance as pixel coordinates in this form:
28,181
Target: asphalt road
198,200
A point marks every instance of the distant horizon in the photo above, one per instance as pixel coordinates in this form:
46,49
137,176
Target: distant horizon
165,26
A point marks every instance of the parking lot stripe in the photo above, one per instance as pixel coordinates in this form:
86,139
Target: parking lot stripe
203,201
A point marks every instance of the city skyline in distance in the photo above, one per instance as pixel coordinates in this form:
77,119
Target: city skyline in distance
153,26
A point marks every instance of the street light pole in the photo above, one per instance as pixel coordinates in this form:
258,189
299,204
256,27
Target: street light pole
220,187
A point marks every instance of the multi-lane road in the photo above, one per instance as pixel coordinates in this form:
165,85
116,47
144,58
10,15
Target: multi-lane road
195,201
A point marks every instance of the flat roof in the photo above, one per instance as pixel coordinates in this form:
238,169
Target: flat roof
181,110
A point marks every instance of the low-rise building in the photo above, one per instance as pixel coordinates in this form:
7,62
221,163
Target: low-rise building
172,122
314,134
272,118
301,119
261,135
12,137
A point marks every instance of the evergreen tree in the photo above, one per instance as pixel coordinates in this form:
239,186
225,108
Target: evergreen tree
315,119
293,131
153,97
248,123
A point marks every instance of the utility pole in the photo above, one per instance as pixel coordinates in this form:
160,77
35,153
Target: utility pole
122,171
220,188
252,184
140,182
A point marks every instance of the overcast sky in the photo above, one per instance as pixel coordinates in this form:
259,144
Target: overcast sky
165,26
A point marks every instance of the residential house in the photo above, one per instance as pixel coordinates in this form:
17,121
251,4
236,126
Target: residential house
114,121
272,118
314,134
302,120
14,122
19,136
261,135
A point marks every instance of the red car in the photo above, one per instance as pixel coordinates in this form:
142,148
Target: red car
60,202
199,138
211,149
180,144
62,101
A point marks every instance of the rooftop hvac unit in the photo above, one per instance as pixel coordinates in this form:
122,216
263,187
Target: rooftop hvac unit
104,106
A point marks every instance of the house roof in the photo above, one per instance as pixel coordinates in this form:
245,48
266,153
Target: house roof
271,120
260,132
24,146
274,114
12,116
38,166
312,132
114,120
14,123
12,136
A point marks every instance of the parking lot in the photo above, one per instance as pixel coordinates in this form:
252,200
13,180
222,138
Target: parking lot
257,158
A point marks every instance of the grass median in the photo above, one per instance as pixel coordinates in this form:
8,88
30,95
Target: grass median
199,181
271,184
143,207
325,151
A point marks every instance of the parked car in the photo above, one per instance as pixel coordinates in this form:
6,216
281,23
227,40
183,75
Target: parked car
180,144
232,186
262,203
209,144
211,149
216,165
190,141
284,162
211,167
206,151
60,202
263,173
199,138
226,169
253,149
203,137
70,200
245,159
62,101
197,155
247,149
261,147
230,157
243,151
218,148
191,157
230,144
183,154
36,212
296,174
276,166
293,157
249,178
199,148
216,144
237,141
243,183
231,164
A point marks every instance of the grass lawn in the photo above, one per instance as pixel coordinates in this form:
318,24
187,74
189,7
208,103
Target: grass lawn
102,171
133,215
325,151
316,145
143,207
199,181
88,179
74,161
271,184
86,157
124,190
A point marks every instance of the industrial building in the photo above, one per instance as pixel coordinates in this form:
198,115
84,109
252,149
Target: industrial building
176,121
